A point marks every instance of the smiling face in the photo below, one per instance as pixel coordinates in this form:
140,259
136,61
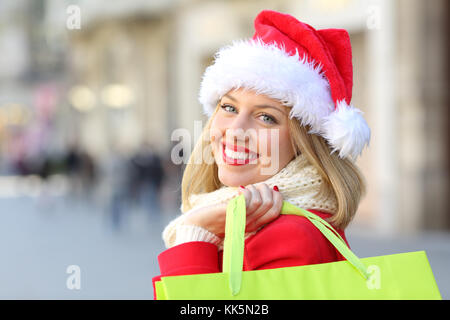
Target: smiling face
250,137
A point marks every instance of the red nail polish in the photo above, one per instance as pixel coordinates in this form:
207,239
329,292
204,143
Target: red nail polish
276,188
242,187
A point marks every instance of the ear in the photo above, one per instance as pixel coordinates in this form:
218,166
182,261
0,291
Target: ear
338,41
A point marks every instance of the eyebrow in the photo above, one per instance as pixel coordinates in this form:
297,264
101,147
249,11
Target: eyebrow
259,105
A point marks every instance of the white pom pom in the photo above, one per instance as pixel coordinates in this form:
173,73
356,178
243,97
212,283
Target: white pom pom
346,130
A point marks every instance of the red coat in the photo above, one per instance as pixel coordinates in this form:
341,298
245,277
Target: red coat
287,241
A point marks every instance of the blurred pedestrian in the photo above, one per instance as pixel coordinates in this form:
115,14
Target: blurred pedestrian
118,182
148,175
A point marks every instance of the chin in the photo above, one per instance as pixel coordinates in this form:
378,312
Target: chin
231,179
236,179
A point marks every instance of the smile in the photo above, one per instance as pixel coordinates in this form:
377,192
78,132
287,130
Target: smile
237,156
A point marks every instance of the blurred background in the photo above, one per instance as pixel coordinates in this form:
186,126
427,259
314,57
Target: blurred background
91,91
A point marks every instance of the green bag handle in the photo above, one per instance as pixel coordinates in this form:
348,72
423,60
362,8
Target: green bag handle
233,250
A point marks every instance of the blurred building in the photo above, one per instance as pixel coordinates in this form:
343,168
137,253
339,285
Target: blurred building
32,75
131,72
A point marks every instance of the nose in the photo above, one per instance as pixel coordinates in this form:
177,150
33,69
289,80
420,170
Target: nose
238,130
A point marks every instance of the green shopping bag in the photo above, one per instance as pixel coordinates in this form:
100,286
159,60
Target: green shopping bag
397,276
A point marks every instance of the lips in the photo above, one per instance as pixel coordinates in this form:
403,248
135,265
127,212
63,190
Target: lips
237,155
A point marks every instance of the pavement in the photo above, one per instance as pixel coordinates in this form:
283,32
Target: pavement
43,240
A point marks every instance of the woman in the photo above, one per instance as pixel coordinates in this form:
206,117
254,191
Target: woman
280,129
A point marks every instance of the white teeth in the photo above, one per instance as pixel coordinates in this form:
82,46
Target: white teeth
238,155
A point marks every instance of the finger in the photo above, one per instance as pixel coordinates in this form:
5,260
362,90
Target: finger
247,195
270,214
266,203
255,200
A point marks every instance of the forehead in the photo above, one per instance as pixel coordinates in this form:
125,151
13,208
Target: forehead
250,97
245,93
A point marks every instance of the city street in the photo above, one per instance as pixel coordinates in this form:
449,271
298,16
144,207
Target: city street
38,244
41,238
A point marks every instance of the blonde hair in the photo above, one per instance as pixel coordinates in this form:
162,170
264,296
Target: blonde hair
341,175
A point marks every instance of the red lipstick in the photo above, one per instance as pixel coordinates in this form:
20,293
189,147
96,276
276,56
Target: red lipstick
236,148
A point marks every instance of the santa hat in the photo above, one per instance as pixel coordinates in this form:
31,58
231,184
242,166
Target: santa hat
307,69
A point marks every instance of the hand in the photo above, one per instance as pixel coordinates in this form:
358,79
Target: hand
263,205
211,218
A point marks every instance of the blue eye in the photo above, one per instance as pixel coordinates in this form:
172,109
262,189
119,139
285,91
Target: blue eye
269,120
227,107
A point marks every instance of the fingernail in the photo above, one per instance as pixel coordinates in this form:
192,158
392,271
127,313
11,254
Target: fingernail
242,187
276,188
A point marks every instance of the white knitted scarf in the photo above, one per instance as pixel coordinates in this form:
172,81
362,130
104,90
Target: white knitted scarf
299,183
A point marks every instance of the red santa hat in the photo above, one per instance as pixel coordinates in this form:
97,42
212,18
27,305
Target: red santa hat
309,70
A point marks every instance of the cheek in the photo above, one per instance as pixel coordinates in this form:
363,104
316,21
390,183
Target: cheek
276,143
286,150
216,132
